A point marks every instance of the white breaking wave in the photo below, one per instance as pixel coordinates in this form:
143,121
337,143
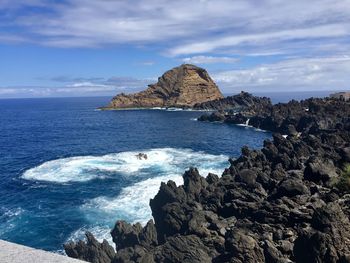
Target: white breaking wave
85,168
132,204
99,232
246,124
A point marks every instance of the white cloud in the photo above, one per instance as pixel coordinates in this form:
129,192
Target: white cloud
327,73
209,60
184,26
147,63
7,38
300,74
78,87
309,36
326,31
87,84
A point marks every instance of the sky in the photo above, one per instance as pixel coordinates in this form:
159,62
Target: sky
69,48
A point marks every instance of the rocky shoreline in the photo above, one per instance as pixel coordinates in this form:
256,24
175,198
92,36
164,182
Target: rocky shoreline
307,116
288,202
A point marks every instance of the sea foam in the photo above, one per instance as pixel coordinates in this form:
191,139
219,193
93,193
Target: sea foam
85,168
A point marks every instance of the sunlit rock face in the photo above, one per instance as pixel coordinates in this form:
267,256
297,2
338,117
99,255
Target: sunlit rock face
183,86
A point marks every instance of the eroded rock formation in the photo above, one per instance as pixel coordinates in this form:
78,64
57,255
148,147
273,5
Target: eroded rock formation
183,87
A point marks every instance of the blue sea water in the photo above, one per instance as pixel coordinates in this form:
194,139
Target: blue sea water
66,167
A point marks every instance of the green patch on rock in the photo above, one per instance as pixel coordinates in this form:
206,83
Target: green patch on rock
343,184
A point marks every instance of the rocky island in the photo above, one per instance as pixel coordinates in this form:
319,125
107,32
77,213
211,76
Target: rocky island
180,87
186,87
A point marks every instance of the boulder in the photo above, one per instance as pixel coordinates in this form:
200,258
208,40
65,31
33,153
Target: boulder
242,247
292,187
327,240
183,249
320,170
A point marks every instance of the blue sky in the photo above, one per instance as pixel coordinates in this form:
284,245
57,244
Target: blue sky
103,47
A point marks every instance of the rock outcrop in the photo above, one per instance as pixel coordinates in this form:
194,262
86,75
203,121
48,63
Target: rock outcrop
341,95
306,116
284,203
239,102
182,87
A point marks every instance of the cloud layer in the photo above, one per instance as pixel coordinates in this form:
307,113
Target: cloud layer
184,26
267,44
331,73
68,87
209,60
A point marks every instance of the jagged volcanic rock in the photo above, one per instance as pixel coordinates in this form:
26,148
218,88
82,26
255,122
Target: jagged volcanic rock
236,103
278,204
183,86
91,251
309,115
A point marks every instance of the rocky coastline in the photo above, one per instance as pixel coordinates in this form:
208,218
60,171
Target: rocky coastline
290,118
287,202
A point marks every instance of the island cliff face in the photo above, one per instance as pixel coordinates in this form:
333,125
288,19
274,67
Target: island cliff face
183,87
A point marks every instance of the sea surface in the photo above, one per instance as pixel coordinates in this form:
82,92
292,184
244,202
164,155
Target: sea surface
66,167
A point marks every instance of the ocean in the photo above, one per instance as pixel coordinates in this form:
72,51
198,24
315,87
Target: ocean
67,168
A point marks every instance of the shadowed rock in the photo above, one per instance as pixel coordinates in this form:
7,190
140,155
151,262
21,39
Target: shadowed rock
91,250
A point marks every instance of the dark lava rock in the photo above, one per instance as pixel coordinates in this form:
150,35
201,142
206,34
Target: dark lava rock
187,249
320,170
243,100
292,187
242,247
327,240
215,116
247,176
127,235
310,116
91,251
278,204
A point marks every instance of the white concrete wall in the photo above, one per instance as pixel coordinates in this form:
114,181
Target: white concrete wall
14,253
